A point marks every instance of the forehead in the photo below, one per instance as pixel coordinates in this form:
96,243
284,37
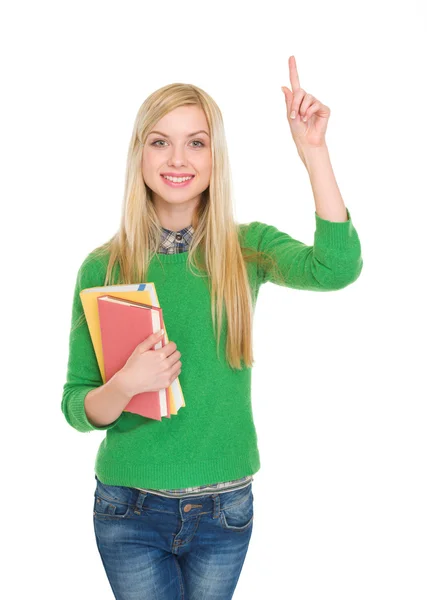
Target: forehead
183,120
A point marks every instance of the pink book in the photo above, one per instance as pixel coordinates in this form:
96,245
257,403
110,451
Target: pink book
125,324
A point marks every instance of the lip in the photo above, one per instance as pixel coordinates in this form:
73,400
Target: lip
177,174
177,185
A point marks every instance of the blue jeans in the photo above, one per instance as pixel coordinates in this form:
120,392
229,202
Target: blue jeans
172,548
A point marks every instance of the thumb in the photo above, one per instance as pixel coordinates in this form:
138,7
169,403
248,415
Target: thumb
288,97
151,340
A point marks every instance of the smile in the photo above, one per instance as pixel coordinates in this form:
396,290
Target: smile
177,181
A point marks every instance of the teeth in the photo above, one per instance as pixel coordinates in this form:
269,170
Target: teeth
177,179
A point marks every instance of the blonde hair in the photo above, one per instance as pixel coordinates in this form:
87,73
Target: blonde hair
215,247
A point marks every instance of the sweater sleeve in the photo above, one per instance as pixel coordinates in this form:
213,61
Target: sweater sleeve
83,374
331,263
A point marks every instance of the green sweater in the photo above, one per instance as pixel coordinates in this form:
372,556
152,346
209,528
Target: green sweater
213,437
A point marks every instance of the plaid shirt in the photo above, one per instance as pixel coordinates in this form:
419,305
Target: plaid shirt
172,243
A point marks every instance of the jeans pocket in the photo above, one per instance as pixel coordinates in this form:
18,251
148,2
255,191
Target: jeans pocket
111,501
237,511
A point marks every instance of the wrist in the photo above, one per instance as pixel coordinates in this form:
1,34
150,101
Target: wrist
312,154
119,384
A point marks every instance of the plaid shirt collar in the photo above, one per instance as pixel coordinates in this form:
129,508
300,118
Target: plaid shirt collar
176,241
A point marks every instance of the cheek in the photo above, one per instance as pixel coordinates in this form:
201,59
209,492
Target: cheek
149,166
205,168
204,176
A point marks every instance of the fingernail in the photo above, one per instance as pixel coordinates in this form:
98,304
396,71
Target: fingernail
293,114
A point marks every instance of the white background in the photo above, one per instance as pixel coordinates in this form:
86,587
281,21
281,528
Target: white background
339,386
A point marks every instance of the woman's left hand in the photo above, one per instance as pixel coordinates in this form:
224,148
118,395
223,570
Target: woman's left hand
308,128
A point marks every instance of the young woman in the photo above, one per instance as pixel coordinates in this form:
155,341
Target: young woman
173,504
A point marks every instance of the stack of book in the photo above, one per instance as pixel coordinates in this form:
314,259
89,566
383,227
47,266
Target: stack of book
120,317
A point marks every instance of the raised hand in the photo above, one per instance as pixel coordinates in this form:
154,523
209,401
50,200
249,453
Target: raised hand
307,116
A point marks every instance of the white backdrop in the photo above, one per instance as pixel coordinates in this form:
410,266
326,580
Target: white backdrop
339,397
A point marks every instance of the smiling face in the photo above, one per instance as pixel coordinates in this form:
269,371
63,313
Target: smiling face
179,144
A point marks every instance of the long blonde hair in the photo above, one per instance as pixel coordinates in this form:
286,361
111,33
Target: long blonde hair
215,247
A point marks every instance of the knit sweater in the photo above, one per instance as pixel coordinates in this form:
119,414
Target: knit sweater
173,242
213,437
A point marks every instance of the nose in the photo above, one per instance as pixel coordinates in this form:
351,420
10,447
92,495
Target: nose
177,156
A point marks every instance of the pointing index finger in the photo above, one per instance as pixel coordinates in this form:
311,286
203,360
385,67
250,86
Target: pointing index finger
293,74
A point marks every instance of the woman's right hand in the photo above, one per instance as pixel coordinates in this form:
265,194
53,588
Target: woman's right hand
149,370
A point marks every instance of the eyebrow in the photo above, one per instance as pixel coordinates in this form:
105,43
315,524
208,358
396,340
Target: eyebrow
189,135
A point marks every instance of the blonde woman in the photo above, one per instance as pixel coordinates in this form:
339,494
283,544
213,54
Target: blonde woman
173,503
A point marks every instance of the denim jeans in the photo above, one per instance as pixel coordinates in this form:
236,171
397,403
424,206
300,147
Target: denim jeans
159,548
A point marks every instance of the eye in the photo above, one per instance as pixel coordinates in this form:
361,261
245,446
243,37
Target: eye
194,141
